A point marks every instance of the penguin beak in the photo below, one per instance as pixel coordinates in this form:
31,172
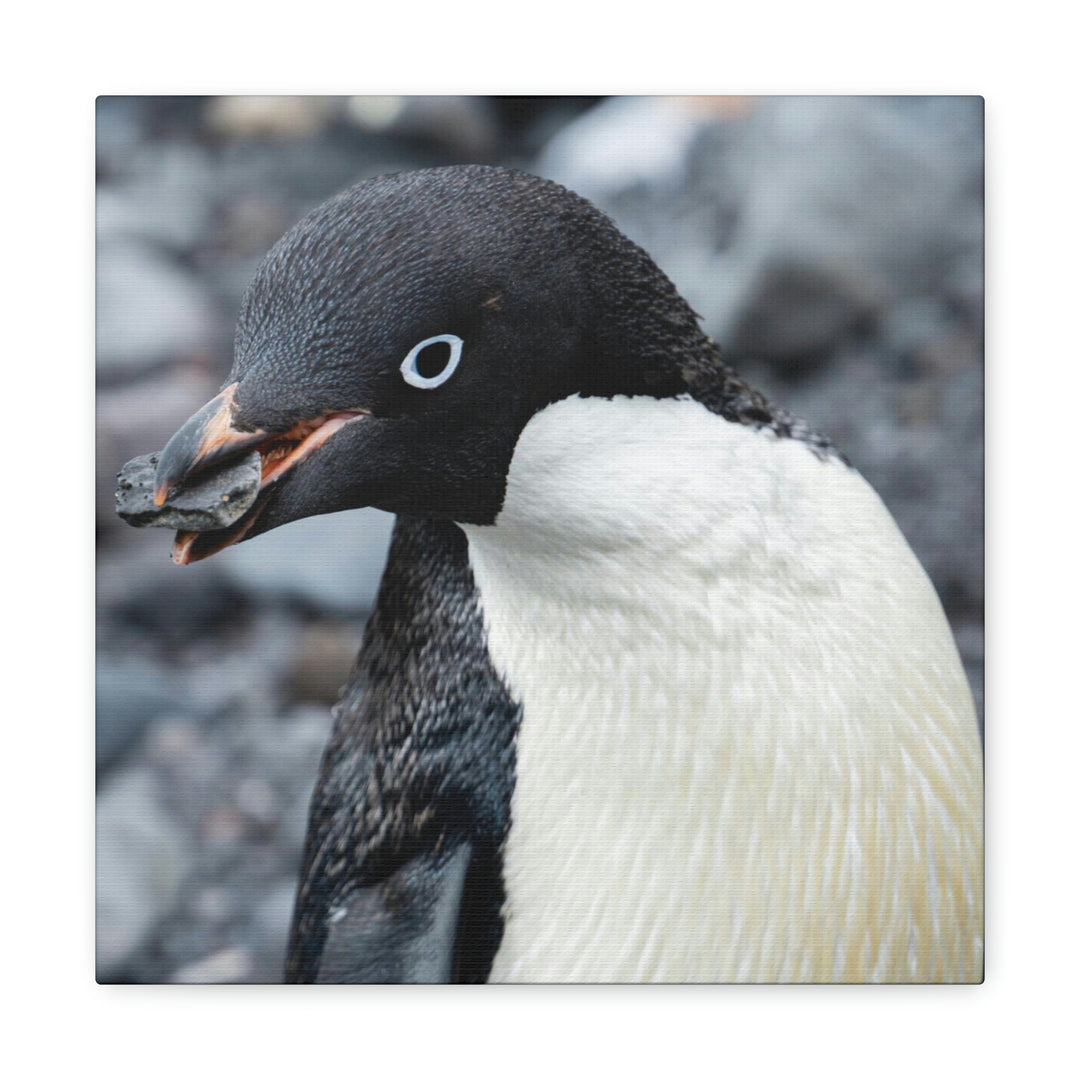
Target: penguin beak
209,438
206,438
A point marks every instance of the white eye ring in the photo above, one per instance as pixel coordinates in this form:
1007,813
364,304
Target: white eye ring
413,377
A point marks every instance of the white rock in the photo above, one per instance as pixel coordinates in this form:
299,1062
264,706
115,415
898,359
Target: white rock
225,966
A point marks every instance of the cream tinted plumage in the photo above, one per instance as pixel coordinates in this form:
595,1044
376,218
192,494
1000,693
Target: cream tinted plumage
654,688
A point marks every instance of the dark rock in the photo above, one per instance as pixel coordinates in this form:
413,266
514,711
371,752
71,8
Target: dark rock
173,610
120,129
324,656
137,415
212,499
798,315
463,125
132,690
812,214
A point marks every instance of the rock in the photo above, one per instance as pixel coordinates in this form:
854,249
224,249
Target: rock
231,965
272,917
332,563
257,800
149,310
280,116
811,214
212,499
214,905
301,738
165,196
120,129
874,191
622,143
291,748
223,827
798,313
323,659
172,608
174,740
143,858
132,690
131,418
463,125
250,226
914,323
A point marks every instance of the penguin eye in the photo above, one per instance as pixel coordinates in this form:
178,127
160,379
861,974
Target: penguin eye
432,362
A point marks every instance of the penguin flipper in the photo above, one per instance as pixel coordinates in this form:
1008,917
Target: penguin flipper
401,878
400,930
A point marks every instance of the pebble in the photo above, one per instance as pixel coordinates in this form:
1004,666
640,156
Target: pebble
231,965
143,860
212,499
256,798
150,310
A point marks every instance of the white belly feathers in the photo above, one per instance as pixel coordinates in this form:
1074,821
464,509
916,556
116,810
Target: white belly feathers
748,750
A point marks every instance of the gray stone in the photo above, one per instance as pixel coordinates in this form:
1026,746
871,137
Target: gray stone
622,143
464,125
230,965
143,859
149,309
914,322
270,929
333,562
132,690
214,905
811,214
256,798
322,659
213,499
166,196
132,418
875,192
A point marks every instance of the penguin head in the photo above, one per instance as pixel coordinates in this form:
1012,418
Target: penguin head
393,345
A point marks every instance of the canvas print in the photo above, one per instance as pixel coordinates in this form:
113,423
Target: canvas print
540,540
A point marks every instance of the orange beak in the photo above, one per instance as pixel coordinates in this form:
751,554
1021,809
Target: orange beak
207,437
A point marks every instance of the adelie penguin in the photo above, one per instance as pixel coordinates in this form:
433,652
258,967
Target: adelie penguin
654,689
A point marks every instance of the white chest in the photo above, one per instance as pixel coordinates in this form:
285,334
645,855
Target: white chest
747,750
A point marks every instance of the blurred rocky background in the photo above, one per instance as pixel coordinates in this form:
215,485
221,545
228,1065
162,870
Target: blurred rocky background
833,247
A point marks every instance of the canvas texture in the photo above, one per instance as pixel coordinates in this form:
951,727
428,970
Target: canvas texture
576,533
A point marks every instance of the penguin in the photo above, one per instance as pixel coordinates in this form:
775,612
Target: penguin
654,689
